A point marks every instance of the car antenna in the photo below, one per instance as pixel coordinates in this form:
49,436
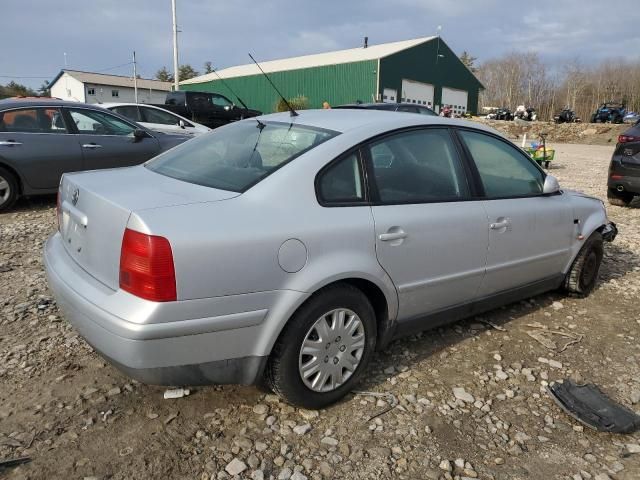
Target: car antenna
229,88
291,110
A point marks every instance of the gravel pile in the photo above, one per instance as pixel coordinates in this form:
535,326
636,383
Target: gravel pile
583,133
469,401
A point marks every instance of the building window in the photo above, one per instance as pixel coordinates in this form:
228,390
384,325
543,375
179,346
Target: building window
115,93
91,91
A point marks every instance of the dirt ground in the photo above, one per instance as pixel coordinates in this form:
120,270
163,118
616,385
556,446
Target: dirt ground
77,417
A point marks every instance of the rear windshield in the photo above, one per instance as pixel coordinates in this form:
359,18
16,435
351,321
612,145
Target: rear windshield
238,156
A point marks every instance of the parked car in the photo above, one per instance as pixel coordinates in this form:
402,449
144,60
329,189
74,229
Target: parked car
609,112
290,248
156,118
393,107
624,170
631,117
40,139
210,109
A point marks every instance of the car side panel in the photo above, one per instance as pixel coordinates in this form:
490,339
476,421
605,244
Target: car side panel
41,158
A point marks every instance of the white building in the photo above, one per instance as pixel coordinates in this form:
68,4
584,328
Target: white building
90,87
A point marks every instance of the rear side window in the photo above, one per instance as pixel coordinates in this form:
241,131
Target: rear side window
152,115
342,182
129,111
32,120
503,169
239,155
418,166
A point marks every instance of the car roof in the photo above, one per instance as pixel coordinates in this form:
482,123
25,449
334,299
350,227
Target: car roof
128,104
379,104
345,119
10,103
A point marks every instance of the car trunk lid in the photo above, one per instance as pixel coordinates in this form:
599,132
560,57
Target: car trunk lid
95,208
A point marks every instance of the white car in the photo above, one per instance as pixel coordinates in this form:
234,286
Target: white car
156,118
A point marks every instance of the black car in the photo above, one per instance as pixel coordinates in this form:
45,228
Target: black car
209,109
40,139
394,107
624,171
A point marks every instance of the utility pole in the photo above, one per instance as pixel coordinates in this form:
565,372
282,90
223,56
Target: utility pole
135,78
176,75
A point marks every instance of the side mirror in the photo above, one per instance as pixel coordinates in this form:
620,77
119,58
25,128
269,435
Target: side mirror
139,134
551,185
181,124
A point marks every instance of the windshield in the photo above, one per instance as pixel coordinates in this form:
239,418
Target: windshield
238,156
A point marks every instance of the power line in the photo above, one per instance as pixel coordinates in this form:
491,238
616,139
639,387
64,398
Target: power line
23,76
113,68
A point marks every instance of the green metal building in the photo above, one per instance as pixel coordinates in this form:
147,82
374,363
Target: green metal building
424,71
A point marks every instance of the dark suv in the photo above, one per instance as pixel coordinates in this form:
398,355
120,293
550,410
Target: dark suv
624,170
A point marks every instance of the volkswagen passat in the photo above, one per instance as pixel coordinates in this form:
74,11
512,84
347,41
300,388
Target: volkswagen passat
290,248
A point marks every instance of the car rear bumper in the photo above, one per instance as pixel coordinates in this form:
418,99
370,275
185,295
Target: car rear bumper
220,348
627,178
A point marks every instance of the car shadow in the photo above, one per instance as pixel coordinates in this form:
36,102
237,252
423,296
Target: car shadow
37,203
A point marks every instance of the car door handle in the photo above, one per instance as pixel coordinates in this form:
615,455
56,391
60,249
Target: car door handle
9,143
389,237
499,225
91,145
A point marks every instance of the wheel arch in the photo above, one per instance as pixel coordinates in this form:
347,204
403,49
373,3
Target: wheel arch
383,301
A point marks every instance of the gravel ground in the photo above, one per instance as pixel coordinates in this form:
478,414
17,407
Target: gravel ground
472,401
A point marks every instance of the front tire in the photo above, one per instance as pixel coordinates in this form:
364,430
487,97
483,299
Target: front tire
583,275
619,199
8,189
324,349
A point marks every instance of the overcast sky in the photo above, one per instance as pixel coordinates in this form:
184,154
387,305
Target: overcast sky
99,34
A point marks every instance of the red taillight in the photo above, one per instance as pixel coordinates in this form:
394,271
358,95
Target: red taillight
615,176
146,267
628,138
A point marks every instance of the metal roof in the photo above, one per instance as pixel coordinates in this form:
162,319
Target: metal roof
113,80
372,52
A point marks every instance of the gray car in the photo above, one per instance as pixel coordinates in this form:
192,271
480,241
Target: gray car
291,248
40,139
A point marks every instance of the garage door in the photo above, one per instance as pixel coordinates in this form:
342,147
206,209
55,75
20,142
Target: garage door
389,95
417,92
457,99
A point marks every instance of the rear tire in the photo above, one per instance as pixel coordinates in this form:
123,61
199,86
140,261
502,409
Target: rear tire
8,189
583,275
310,329
619,199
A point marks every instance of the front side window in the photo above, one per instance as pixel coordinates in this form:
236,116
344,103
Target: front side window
91,122
220,101
239,155
418,166
342,182
504,171
151,115
32,120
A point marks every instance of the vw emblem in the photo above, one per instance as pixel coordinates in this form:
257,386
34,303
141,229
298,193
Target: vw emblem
75,196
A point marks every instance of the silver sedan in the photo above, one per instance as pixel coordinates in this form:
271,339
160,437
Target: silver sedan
291,248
